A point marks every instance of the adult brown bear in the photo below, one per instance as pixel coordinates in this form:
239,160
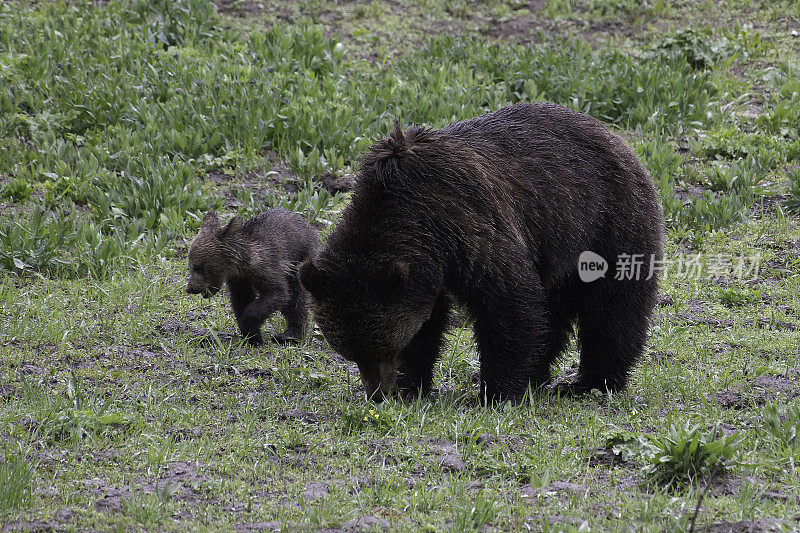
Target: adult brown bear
493,212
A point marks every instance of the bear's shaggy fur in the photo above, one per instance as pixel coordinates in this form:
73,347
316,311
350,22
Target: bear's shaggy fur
494,213
258,260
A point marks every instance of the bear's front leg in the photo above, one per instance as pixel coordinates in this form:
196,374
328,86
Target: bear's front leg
415,362
242,294
271,298
512,333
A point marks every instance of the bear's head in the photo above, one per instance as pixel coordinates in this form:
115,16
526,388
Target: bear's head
210,256
367,313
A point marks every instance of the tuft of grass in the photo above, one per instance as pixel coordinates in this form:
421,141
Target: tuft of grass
709,212
16,482
793,202
735,297
471,512
783,424
699,47
17,190
74,415
684,454
61,244
630,10
558,8
366,416
149,510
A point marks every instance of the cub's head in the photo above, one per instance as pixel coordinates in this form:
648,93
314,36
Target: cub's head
368,314
210,257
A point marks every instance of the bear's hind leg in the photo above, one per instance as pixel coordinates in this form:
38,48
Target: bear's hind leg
513,336
415,362
612,326
273,296
561,317
296,314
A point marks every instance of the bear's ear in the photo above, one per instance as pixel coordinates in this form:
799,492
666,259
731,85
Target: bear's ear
229,229
211,221
312,278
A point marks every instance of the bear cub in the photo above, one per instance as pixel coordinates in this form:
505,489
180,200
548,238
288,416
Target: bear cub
494,213
258,260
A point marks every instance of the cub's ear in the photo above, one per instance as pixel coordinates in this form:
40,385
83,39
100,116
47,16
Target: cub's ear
312,278
229,229
211,221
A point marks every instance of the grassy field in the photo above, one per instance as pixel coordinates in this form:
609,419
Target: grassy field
126,404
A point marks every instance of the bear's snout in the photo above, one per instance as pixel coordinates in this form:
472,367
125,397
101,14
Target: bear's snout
374,393
378,378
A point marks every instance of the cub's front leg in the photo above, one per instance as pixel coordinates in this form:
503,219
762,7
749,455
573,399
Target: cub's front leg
242,294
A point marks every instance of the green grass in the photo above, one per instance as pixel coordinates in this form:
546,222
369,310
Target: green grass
126,404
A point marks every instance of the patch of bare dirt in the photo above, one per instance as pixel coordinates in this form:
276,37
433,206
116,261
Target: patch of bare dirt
693,192
661,358
176,327
697,306
318,489
563,488
769,204
762,525
520,27
258,373
301,415
605,457
239,8
260,526
446,26
535,523
665,300
279,179
364,523
732,486
336,184
764,389
139,358
727,323
261,182
445,454
731,399
536,5
513,442
180,434
29,369
279,174
615,28
177,477
773,385
33,526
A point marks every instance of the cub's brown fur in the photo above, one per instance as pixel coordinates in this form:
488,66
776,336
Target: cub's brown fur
493,212
258,260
